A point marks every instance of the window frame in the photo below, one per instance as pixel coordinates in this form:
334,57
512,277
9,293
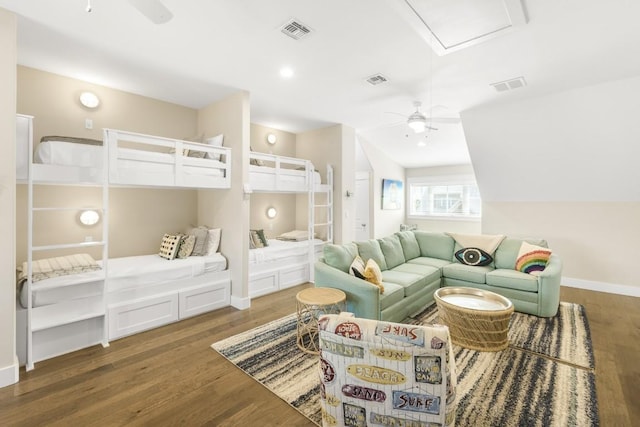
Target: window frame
441,180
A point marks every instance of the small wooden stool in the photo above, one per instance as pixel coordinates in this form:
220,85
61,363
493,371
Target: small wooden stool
311,304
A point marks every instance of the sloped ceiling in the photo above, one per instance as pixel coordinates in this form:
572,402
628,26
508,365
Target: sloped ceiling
578,145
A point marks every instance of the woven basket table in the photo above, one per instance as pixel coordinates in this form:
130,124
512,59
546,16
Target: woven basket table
477,319
311,304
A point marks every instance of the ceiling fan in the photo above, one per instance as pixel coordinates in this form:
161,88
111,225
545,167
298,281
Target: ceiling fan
418,122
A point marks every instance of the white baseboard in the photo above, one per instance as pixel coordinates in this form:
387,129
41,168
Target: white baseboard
240,303
10,374
611,288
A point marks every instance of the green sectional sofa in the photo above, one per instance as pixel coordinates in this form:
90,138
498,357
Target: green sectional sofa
414,264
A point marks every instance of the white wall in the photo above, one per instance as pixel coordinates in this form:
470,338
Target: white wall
564,167
8,359
385,222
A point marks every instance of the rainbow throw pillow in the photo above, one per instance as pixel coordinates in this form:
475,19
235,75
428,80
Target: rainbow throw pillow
532,259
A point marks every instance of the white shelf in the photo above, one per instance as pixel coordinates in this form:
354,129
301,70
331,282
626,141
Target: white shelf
70,311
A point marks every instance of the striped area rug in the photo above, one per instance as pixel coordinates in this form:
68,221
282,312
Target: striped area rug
528,386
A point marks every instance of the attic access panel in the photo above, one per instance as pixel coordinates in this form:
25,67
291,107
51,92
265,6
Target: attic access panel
450,25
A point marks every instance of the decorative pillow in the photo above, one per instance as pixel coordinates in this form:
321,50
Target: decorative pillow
473,256
373,274
357,268
169,246
255,162
186,246
200,246
532,259
215,141
186,151
487,242
252,244
255,238
213,241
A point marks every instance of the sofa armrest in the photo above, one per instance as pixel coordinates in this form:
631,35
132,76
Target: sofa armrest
549,287
363,299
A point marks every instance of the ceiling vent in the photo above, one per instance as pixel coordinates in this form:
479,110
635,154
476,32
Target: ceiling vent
295,29
506,85
377,79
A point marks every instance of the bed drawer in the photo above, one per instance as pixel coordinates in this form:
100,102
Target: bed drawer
203,299
263,283
129,318
293,276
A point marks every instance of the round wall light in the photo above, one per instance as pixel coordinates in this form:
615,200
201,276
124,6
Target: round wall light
271,138
89,217
89,100
271,213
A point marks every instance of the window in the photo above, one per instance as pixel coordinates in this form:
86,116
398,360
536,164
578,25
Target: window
447,197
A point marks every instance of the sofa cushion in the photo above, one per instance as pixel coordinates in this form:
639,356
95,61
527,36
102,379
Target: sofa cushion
411,282
435,245
507,253
429,273
340,256
410,246
467,273
393,294
511,279
392,251
434,262
371,249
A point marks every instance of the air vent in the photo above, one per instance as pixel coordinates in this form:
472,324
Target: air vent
506,85
377,79
295,29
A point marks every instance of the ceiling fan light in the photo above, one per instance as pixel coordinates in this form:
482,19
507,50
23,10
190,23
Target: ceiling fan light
417,124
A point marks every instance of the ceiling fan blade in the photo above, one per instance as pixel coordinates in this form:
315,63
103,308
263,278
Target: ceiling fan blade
397,114
154,10
444,120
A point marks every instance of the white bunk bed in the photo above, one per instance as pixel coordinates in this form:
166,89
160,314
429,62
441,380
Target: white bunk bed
282,264
125,295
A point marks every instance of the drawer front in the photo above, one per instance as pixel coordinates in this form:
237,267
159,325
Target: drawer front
294,276
126,319
201,300
263,283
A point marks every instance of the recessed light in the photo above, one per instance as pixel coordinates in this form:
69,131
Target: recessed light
286,72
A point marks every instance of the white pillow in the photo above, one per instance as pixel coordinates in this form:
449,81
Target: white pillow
213,241
215,141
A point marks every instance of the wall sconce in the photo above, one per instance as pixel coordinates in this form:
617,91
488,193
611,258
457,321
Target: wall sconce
271,138
89,100
271,213
89,217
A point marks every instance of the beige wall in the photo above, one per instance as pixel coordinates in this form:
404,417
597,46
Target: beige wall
284,203
229,209
442,225
597,241
8,360
139,217
53,101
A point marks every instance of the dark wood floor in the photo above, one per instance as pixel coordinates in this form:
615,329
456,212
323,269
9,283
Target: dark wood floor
171,376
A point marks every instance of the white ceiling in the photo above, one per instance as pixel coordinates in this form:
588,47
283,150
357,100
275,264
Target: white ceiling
212,48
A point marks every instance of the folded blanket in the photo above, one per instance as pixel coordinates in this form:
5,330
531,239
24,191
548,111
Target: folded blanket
294,236
58,266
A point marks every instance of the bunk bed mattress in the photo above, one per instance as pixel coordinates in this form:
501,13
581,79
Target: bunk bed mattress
62,153
279,250
124,273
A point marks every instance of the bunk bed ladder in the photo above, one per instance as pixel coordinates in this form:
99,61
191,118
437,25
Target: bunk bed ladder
326,206
57,328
